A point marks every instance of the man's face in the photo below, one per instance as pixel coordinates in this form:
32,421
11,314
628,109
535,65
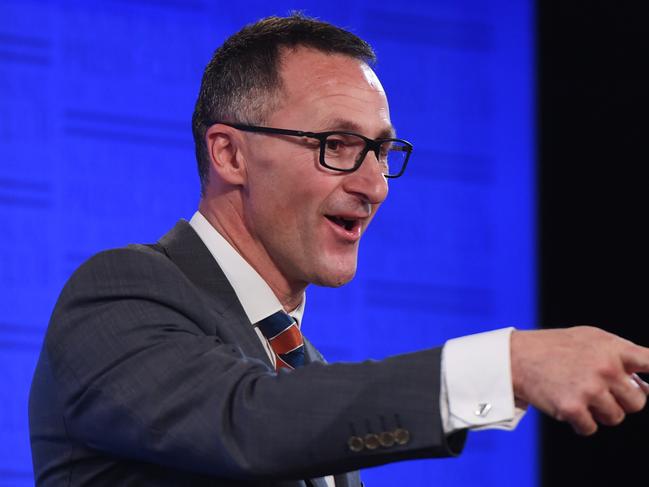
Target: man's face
307,218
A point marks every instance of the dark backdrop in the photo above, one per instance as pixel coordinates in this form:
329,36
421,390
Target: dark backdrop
593,58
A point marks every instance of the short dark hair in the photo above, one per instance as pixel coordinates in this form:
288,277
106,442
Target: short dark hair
241,83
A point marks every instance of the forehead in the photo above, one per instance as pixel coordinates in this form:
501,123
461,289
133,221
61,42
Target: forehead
321,89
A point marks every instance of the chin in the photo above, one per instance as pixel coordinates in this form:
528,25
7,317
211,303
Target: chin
335,278
333,269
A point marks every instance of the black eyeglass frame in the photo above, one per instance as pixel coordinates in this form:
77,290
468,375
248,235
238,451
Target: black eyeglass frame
373,145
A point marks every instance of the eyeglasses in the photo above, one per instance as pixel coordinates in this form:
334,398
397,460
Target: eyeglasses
346,151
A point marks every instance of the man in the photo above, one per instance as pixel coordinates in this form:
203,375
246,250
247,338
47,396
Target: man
176,363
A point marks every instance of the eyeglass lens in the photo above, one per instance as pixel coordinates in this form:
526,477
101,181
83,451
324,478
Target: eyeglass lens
345,151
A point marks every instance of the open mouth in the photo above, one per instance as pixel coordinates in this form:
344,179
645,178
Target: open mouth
347,223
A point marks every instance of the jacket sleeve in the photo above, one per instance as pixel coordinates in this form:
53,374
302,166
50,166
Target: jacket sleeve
144,370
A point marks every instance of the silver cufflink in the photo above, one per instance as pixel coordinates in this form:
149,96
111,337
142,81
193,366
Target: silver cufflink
483,409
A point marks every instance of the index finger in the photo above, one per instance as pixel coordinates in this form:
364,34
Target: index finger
635,358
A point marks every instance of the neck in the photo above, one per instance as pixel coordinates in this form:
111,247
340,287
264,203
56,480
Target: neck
223,213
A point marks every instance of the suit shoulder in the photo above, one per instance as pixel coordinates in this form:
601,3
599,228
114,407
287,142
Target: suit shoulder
133,270
134,258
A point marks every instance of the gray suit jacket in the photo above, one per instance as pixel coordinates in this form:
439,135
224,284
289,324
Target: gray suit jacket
151,374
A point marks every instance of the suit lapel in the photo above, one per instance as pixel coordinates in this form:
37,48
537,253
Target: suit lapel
311,354
185,249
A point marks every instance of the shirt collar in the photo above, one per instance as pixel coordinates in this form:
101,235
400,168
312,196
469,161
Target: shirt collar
255,295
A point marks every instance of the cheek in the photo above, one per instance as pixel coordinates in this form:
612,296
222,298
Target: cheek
286,196
281,210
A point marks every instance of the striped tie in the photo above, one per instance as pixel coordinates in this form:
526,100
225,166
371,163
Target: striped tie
285,339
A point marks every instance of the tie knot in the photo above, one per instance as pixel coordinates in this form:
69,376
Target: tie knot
285,339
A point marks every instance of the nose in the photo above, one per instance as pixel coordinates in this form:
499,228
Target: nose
368,181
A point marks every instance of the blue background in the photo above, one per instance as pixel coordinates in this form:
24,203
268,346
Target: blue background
96,152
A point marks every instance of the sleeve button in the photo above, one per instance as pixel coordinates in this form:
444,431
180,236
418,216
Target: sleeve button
386,439
371,441
401,436
355,443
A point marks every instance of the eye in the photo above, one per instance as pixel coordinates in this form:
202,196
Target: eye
334,144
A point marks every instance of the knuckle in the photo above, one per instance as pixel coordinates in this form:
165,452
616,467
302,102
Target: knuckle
585,427
637,404
612,418
569,410
608,370
593,391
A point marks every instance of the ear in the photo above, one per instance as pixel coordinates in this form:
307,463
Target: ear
224,145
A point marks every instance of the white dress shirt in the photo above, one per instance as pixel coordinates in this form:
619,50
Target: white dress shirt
476,390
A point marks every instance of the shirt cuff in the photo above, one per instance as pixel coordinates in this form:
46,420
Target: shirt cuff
476,390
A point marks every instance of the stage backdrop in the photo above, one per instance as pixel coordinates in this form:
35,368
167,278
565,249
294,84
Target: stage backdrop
96,152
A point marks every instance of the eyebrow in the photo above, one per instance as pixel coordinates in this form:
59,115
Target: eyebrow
346,125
